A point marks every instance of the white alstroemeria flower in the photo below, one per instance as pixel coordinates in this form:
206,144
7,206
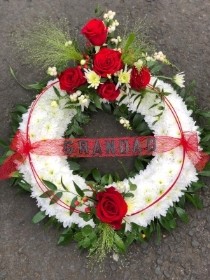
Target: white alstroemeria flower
179,79
52,71
109,15
160,56
84,101
111,28
93,79
125,123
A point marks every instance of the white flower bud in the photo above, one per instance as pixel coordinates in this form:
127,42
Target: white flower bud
82,62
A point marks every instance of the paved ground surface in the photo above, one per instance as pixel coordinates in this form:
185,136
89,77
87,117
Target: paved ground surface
181,28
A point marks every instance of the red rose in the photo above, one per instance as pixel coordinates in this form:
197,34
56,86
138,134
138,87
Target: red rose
95,31
107,62
108,91
71,78
111,207
139,79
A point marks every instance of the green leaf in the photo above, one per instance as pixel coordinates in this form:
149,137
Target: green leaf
56,197
78,190
119,242
129,41
106,107
50,185
96,100
128,195
195,200
65,237
138,164
87,230
85,216
110,181
196,186
3,144
24,185
20,108
74,165
158,230
63,185
137,120
205,173
105,179
206,138
133,187
72,206
182,214
96,174
57,92
47,194
38,217
14,76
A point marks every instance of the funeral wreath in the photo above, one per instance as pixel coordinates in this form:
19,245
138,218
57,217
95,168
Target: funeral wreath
121,75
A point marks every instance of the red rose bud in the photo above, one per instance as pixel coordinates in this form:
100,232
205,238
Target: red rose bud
107,62
71,78
111,207
139,79
108,91
95,31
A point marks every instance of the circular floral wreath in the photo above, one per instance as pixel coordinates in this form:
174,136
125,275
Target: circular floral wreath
113,72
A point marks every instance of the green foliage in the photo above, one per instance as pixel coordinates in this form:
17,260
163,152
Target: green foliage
38,217
134,42
45,45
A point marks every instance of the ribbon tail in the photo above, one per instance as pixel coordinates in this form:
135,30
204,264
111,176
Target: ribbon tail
10,165
203,160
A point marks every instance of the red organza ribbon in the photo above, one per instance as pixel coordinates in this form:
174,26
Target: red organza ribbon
101,147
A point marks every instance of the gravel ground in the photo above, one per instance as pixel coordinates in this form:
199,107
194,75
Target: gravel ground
181,29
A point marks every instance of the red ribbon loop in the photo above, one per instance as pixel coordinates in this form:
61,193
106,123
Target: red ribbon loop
189,141
21,148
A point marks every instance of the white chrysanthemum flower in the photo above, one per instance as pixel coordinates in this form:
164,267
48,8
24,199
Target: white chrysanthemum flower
179,79
52,71
68,43
93,79
111,28
124,76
